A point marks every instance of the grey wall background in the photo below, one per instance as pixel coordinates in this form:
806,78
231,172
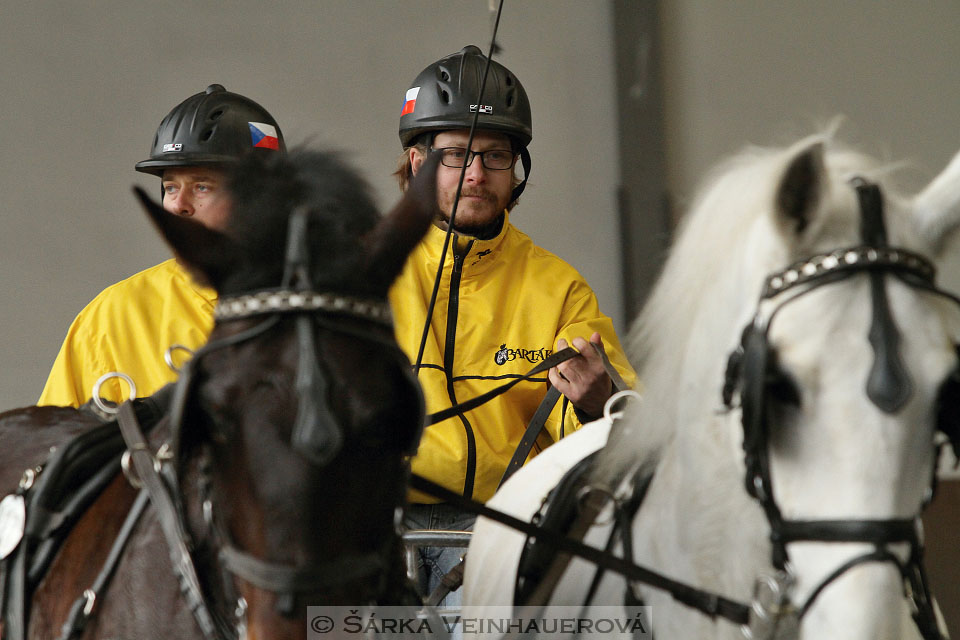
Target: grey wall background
770,71
84,86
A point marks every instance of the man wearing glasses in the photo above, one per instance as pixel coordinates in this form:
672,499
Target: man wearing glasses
503,304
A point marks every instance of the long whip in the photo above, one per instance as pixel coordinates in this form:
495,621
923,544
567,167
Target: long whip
456,198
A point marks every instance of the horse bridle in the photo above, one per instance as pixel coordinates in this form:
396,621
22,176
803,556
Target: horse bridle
752,369
771,614
316,434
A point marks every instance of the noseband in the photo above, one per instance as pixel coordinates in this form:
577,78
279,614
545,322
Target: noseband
752,370
316,434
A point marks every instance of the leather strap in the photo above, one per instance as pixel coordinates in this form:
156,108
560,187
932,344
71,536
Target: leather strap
84,607
531,434
167,515
15,613
543,411
589,510
618,382
876,532
451,581
710,604
292,579
548,363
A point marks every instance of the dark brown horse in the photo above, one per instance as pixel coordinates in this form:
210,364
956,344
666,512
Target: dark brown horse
288,431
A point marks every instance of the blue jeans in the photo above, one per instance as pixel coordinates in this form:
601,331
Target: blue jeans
434,562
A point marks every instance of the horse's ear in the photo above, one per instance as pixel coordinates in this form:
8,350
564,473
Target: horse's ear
937,207
391,241
207,254
800,189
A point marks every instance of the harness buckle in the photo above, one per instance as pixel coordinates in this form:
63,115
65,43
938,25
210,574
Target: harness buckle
772,613
591,499
126,465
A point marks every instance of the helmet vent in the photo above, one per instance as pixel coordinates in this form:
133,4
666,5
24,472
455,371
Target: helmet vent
444,75
215,115
445,95
510,100
206,135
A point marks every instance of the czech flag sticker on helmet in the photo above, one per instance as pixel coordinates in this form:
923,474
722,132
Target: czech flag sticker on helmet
410,102
264,135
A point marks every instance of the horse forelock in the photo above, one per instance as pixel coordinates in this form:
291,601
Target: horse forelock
725,246
267,191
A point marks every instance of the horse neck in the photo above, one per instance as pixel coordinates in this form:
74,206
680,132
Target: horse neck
691,322
698,523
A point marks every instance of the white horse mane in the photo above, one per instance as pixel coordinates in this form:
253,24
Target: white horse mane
709,287
838,455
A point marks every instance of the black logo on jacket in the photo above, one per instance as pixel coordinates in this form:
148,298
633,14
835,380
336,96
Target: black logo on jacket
533,356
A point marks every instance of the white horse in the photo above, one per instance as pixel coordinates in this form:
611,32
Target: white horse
827,451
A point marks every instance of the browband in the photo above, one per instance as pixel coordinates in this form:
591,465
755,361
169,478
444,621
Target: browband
286,301
850,259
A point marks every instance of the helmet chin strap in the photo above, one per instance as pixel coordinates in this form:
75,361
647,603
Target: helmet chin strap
517,190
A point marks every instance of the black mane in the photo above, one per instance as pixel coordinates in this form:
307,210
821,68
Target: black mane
266,191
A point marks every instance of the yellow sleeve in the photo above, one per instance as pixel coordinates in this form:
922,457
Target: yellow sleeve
69,383
584,318
127,329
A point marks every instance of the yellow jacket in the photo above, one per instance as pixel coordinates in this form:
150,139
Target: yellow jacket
501,307
128,328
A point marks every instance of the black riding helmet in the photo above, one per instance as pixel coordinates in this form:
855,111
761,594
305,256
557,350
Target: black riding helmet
212,128
444,96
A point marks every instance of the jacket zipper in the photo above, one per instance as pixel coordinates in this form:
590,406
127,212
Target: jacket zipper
453,306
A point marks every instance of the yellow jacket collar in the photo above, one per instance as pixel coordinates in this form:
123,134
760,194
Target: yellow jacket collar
432,243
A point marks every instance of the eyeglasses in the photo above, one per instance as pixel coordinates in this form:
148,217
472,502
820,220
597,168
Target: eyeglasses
494,159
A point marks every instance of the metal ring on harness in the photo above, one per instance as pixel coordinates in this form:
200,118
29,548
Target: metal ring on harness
168,355
594,492
612,400
97,400
595,497
771,610
128,470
